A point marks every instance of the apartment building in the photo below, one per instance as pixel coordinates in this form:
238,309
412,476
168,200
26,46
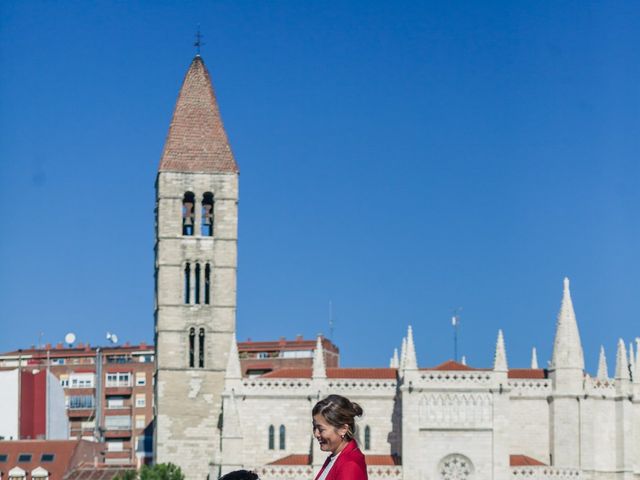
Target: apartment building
108,393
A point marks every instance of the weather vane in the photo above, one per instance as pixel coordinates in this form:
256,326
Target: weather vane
198,43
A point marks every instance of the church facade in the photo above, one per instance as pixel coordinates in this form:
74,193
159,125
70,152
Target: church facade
449,422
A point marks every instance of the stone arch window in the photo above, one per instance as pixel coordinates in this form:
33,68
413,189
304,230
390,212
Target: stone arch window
455,467
283,433
188,201
196,293
16,473
201,348
39,473
187,283
367,437
207,284
206,228
272,435
192,347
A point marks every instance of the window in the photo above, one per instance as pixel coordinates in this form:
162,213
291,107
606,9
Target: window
263,355
115,402
455,467
81,380
47,457
24,457
57,361
367,438
187,284
206,228
118,379
117,422
141,379
272,434
64,381
81,401
192,347
282,437
207,284
141,421
115,445
3,457
188,202
197,285
140,400
201,352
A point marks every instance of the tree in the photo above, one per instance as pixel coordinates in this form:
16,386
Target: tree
161,471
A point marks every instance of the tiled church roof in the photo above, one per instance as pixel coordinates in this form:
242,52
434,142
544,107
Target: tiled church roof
197,141
523,460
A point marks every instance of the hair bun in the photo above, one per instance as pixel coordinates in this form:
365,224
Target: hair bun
357,409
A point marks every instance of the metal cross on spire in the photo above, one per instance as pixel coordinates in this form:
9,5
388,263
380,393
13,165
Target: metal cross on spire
198,43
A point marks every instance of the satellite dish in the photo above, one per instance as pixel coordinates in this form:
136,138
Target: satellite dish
70,338
112,337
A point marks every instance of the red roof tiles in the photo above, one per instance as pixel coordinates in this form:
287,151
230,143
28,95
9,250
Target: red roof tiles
197,141
528,373
523,460
65,454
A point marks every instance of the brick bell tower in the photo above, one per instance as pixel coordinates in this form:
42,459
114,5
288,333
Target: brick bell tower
195,271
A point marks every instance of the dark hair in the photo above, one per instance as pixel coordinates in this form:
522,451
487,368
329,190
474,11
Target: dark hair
339,411
240,475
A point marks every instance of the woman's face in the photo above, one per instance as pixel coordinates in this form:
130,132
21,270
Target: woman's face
329,437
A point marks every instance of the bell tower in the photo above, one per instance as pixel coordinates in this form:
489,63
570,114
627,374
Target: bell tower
195,274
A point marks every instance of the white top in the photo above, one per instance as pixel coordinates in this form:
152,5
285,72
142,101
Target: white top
325,472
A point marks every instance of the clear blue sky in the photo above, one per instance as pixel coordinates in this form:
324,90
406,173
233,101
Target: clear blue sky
399,159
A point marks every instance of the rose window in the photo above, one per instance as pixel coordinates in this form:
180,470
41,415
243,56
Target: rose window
455,467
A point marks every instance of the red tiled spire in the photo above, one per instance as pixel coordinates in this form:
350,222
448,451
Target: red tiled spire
196,141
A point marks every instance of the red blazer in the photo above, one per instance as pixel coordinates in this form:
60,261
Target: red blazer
350,464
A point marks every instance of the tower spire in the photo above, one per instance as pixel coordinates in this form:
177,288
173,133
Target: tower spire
403,353
233,371
197,141
411,361
567,347
632,361
500,357
395,362
319,369
603,371
534,358
622,367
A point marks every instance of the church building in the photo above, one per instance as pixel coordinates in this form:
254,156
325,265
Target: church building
444,422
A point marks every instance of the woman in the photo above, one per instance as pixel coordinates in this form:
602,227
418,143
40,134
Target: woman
334,428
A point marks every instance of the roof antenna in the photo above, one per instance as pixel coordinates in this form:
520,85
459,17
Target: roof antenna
330,320
198,43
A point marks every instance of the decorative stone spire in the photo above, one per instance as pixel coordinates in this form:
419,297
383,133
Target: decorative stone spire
632,361
636,371
534,358
403,353
233,372
567,348
319,369
622,367
500,357
395,361
603,370
411,361
197,141
463,360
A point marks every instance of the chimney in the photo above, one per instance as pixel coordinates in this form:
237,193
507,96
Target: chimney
59,346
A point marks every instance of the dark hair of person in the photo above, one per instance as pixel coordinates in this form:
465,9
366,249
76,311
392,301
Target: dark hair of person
339,411
240,475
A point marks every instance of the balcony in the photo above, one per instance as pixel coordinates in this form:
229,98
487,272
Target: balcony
117,432
118,389
117,410
81,412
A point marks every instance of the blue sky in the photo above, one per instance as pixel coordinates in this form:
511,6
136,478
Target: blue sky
399,160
